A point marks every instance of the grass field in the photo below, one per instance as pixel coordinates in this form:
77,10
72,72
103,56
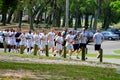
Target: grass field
117,51
32,56
56,72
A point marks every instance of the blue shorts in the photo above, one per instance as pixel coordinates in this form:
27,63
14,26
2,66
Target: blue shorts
17,44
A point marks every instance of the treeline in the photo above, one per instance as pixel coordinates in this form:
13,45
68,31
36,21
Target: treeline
52,11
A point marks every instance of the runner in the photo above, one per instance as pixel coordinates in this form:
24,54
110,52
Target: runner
23,40
83,38
98,39
18,33
76,44
69,43
43,41
13,40
59,41
6,37
37,41
30,44
10,40
51,42
64,34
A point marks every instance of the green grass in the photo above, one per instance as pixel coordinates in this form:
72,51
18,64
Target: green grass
105,56
32,56
117,51
61,72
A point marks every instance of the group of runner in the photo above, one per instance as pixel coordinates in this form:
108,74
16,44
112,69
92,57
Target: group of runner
56,41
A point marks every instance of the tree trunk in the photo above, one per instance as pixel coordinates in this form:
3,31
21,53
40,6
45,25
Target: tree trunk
16,17
10,15
97,13
79,20
31,20
40,8
4,19
91,21
20,18
106,22
49,19
107,18
63,24
39,15
86,20
58,17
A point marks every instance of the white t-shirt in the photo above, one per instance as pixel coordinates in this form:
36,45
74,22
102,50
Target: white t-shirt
64,34
51,36
43,39
70,39
6,34
98,38
36,39
29,37
23,39
13,35
59,39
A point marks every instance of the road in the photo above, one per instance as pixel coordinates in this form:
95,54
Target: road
107,46
108,49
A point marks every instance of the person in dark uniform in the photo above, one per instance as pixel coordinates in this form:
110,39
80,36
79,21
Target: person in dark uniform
18,33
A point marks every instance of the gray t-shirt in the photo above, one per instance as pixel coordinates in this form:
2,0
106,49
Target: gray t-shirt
98,38
76,39
83,38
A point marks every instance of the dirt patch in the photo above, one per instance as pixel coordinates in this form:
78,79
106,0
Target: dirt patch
15,74
21,74
25,74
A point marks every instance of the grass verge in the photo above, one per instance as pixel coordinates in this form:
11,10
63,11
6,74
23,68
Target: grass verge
59,72
32,56
117,51
105,56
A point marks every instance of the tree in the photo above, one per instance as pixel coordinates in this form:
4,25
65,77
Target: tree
115,8
13,7
7,6
87,8
97,13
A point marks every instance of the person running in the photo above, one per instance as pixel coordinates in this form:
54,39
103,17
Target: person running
83,39
76,44
13,40
59,41
64,34
6,37
23,40
43,41
98,39
36,38
18,33
50,38
10,40
69,43
29,38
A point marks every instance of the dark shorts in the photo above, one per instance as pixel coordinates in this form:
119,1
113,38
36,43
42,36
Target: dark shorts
76,46
64,43
97,47
82,45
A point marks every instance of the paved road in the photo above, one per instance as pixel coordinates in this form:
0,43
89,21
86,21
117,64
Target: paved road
108,47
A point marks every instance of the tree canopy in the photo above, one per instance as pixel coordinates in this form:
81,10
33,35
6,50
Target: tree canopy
52,12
